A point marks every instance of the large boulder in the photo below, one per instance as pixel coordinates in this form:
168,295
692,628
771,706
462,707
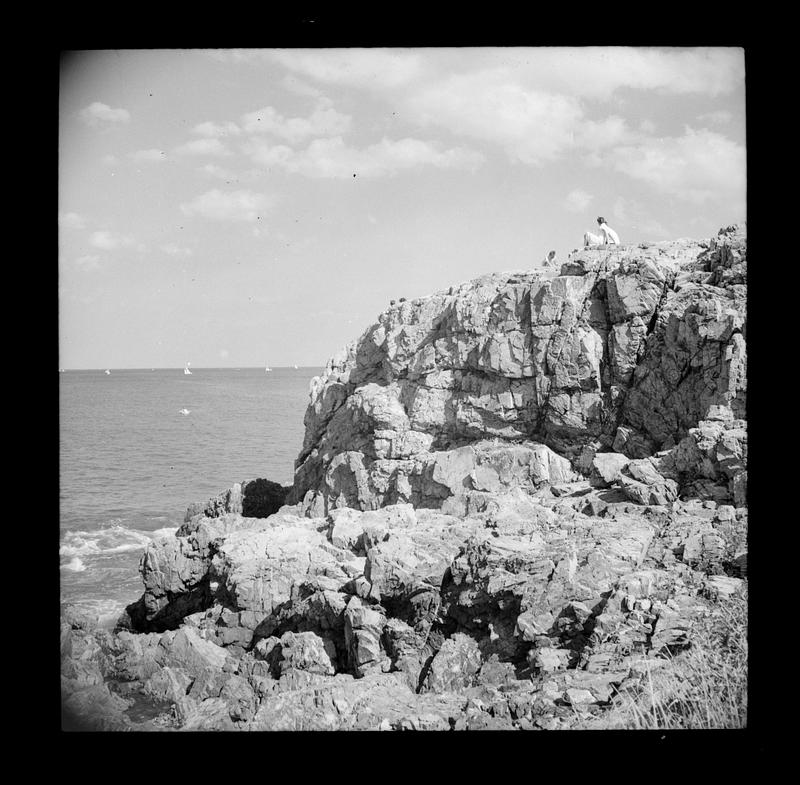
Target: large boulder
626,350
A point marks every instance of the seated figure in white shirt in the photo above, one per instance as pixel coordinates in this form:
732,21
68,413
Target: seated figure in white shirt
607,235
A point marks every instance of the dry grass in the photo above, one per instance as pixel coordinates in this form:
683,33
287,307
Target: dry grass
704,687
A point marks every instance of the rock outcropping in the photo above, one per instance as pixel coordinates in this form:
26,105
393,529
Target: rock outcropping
511,497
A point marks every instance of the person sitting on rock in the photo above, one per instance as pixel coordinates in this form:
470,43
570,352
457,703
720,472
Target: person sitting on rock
550,259
607,235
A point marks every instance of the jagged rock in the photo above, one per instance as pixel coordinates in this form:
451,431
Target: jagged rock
363,628
304,651
615,349
455,665
258,498
512,499
185,649
608,465
643,484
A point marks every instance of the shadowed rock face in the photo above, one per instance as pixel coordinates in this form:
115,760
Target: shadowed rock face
625,350
508,495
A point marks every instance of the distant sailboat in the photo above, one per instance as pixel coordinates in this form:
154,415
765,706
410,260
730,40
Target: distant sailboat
108,373
295,367
267,369
184,411
186,370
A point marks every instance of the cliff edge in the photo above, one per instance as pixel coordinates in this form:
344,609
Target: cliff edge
514,502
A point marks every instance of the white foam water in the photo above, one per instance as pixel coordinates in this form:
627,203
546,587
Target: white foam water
129,466
105,542
74,565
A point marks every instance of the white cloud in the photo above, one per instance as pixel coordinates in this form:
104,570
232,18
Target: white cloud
333,158
153,154
533,126
217,171
577,201
590,72
596,135
299,87
98,114
209,146
720,117
71,221
88,262
109,241
373,68
324,121
229,206
173,249
698,166
598,72
214,130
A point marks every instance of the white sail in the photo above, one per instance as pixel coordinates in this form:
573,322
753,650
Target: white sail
186,370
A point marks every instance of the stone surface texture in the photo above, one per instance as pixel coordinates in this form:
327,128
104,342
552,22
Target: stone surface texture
509,496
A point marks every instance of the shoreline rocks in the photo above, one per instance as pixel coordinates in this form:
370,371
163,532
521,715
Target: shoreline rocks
509,495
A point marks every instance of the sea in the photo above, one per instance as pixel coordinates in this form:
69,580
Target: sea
138,446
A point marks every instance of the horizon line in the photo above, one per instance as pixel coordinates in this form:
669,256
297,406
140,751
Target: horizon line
195,367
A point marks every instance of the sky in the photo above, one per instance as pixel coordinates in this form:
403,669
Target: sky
237,208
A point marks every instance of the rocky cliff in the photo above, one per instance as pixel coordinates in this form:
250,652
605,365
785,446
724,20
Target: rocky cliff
512,498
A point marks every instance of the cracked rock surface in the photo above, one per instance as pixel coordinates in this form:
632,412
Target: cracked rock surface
513,498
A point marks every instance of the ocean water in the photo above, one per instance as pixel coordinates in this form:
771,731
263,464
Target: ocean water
138,446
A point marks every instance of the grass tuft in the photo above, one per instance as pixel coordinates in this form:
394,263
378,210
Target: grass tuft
703,687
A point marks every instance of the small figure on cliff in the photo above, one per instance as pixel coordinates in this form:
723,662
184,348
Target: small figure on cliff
549,260
607,235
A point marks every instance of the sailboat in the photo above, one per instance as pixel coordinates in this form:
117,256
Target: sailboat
108,373
186,370
295,367
267,369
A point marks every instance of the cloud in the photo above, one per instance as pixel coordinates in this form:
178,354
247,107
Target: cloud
372,68
597,72
88,262
210,146
217,171
577,201
531,101
229,206
720,117
533,126
98,114
71,221
109,241
591,72
214,130
613,130
173,249
299,87
153,154
698,166
324,121
333,158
